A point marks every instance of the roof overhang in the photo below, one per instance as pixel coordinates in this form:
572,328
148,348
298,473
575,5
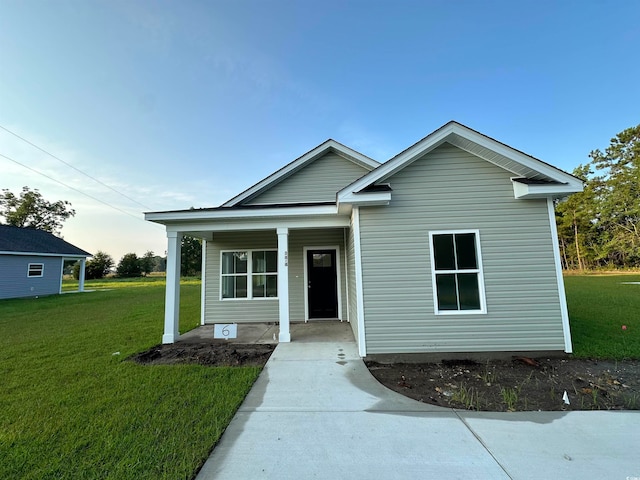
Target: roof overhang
201,223
518,163
221,214
288,170
363,199
522,189
38,254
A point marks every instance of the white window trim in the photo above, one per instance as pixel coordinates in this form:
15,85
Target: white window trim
33,265
479,271
249,274
306,280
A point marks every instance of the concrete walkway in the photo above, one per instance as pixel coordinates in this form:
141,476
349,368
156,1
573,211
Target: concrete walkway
316,412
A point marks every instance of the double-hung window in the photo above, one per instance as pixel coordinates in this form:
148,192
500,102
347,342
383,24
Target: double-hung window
456,267
249,274
35,270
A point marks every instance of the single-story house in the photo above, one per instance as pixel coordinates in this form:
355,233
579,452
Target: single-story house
32,262
449,246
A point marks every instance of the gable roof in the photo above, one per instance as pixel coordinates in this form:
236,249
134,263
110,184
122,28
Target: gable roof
299,163
16,240
523,166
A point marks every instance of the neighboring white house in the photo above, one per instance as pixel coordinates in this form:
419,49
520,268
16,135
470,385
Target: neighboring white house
32,262
450,246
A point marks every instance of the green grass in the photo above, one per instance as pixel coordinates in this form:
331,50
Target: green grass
599,305
70,408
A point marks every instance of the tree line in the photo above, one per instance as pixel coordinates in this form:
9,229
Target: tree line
600,226
130,265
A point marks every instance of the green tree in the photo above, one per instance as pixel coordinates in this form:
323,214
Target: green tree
600,227
129,266
148,262
95,268
577,233
191,256
618,190
31,210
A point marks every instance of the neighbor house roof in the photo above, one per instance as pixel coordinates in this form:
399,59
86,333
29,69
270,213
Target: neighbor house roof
20,241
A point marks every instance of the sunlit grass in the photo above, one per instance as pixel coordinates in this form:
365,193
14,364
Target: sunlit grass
71,408
599,307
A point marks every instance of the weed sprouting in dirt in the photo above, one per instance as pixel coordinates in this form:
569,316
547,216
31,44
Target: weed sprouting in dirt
510,397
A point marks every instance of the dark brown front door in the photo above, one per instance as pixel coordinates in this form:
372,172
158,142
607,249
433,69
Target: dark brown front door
322,284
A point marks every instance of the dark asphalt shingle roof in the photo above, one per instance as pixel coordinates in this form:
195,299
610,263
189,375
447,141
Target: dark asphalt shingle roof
30,240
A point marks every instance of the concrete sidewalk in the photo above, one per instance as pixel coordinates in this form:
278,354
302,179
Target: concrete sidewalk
316,412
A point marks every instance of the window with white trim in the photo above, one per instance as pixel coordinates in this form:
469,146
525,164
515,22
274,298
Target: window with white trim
35,270
456,266
248,274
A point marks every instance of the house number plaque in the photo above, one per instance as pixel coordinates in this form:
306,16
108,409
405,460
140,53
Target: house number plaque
225,330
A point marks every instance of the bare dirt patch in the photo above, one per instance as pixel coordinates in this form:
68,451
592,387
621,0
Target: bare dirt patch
213,355
520,384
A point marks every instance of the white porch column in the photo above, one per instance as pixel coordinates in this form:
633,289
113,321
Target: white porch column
83,264
172,294
283,283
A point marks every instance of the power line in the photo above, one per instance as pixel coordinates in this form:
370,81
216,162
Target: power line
76,190
75,168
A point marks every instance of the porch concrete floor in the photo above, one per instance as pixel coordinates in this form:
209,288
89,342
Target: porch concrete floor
310,332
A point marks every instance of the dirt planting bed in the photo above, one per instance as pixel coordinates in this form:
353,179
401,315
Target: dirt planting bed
519,384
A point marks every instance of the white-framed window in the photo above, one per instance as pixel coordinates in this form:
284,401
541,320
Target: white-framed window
456,270
35,270
248,274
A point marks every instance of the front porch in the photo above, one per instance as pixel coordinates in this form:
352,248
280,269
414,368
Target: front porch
267,333
278,264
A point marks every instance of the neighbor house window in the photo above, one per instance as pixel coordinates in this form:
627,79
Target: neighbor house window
249,274
35,270
456,265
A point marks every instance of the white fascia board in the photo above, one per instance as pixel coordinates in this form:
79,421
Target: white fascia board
311,155
449,132
36,254
232,213
365,199
400,161
515,155
203,228
524,191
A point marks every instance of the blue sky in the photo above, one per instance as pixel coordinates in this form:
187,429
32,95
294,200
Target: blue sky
181,104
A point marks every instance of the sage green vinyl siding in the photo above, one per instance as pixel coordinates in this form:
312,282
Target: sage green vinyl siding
450,189
318,181
235,310
266,310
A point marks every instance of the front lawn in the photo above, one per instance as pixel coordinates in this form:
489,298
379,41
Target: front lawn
71,408
604,311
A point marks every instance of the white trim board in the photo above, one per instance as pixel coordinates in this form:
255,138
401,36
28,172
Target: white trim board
464,138
325,147
362,342
564,311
